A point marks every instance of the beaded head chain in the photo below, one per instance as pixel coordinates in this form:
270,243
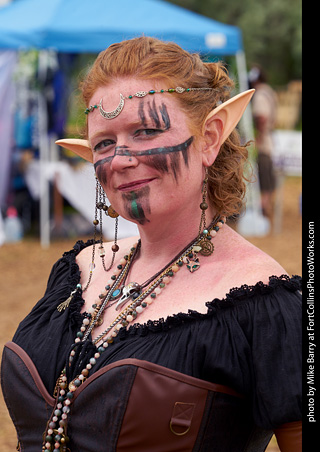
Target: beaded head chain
114,113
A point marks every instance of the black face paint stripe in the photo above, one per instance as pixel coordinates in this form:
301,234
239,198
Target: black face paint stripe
102,162
154,114
165,116
126,152
141,113
101,175
158,162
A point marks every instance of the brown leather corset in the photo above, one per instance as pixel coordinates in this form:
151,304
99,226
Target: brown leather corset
132,406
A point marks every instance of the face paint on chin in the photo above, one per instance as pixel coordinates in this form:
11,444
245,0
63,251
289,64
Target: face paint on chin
137,204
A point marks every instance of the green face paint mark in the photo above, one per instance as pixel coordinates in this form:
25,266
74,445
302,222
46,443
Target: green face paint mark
137,203
134,207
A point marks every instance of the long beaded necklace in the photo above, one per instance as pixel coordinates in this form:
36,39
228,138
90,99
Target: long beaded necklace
55,437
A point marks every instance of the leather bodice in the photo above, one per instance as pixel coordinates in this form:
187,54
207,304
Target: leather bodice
132,405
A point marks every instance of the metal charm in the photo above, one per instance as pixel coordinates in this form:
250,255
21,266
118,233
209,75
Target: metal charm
114,113
206,247
193,263
127,292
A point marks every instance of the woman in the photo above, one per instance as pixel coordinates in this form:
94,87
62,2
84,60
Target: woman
176,340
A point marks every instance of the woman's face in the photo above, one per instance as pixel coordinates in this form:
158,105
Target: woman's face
145,158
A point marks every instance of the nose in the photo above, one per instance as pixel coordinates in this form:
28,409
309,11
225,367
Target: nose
123,158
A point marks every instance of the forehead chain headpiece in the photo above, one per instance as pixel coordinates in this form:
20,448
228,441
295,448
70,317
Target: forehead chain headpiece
114,113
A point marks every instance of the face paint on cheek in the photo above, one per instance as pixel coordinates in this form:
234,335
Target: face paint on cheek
101,170
137,204
161,158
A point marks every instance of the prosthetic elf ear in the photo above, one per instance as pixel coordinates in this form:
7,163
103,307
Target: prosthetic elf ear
80,147
230,112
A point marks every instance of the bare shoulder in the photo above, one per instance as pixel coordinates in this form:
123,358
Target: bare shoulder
247,263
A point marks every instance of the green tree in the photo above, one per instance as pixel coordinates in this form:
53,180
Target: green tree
271,30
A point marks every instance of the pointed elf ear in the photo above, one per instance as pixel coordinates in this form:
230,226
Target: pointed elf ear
80,147
230,112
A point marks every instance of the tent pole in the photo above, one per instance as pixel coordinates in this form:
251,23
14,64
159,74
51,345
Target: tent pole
44,184
246,120
252,222
44,160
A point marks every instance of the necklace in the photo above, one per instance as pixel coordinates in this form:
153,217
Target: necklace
139,297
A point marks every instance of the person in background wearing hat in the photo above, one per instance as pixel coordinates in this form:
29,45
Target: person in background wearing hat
185,338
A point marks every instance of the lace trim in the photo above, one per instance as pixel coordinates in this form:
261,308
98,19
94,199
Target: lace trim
73,279
235,297
245,292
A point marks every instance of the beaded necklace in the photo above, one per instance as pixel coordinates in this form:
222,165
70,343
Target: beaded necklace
55,437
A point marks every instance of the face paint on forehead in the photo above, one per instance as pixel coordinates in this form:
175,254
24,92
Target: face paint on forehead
165,116
141,114
137,204
153,113
159,121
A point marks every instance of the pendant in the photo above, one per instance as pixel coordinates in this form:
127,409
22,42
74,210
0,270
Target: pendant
127,292
206,247
65,304
114,113
192,262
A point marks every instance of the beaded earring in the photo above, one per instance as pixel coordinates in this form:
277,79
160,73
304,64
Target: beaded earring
101,206
206,244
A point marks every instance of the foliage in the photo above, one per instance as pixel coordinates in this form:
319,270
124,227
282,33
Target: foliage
271,29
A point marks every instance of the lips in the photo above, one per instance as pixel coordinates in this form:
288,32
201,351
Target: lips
135,184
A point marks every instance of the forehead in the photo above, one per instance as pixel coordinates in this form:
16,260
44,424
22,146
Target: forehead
110,95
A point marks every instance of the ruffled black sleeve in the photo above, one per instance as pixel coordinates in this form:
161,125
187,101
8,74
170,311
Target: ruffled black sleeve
262,354
46,334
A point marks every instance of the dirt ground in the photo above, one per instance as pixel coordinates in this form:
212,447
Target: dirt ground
24,268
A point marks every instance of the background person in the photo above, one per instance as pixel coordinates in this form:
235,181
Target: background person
264,109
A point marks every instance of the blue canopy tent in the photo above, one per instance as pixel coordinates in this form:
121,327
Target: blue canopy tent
81,26
78,26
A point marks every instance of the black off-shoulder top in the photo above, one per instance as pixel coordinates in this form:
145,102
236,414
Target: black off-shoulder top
249,341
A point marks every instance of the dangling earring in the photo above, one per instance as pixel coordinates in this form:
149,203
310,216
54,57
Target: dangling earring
206,244
204,205
100,205
192,259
